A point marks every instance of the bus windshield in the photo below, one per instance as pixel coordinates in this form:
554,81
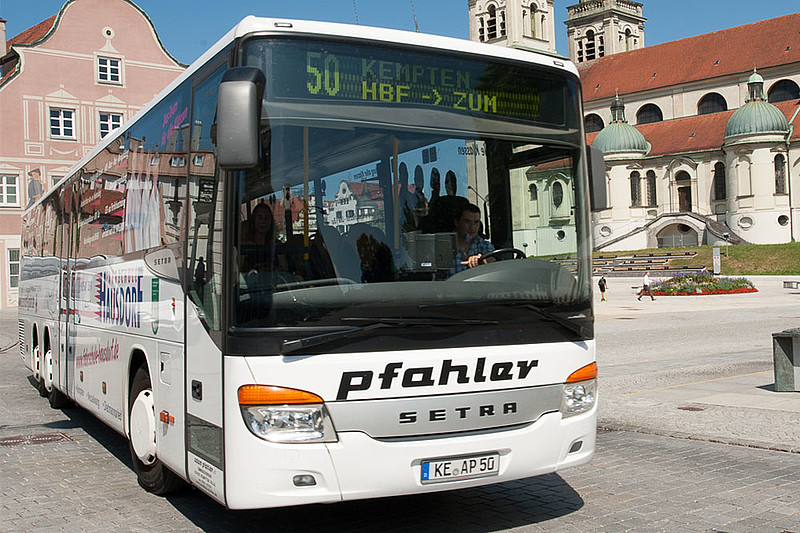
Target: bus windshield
401,186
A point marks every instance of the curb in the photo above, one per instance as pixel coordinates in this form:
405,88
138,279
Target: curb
689,436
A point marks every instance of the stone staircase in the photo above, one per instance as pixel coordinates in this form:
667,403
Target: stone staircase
635,264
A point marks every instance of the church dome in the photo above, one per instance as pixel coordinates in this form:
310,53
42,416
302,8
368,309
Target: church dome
757,115
619,136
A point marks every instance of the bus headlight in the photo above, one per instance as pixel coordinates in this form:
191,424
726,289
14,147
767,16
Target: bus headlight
282,415
580,391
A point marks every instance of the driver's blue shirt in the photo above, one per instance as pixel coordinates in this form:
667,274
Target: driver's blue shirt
477,246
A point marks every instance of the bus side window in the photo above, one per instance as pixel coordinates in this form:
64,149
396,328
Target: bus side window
205,204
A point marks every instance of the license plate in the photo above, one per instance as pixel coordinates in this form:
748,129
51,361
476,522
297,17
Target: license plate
457,468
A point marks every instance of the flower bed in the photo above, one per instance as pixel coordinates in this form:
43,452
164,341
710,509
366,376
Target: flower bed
700,284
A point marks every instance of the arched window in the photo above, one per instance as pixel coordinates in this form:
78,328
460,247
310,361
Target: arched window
481,30
590,49
533,21
711,103
558,194
491,24
780,174
628,40
533,197
593,123
636,191
652,200
720,191
648,114
783,90
502,22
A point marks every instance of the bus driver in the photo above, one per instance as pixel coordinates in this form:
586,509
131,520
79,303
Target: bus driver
470,247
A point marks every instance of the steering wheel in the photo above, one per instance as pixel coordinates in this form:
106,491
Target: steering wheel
501,254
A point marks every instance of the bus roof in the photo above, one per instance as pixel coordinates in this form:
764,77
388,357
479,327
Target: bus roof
277,27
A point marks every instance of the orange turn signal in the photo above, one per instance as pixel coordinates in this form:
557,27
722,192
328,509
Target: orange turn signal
270,395
582,374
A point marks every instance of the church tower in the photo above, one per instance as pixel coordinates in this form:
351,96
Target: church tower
528,24
597,28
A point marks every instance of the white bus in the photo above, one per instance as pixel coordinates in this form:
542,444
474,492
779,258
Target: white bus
262,280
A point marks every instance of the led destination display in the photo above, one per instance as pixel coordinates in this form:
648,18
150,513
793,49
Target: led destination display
379,75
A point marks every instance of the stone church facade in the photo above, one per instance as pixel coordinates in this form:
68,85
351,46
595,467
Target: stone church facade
699,135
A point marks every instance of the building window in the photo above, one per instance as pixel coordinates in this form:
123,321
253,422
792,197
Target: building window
481,30
13,268
534,17
783,90
502,23
590,51
711,103
648,114
491,25
593,123
177,161
636,190
720,192
628,40
62,123
54,179
533,193
108,122
780,174
652,199
9,195
558,194
109,70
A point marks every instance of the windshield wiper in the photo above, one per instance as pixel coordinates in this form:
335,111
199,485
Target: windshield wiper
544,313
560,320
369,323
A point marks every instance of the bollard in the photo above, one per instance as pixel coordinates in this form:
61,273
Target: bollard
786,358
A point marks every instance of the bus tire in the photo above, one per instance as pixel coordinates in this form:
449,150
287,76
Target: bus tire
55,397
38,378
152,475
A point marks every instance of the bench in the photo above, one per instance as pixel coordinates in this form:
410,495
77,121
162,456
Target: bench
791,284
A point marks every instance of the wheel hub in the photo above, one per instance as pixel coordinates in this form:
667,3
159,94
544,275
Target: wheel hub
143,427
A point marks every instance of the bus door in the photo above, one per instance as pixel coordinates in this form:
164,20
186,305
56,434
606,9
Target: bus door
204,364
67,235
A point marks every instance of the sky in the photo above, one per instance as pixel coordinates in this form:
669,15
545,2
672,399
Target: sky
188,27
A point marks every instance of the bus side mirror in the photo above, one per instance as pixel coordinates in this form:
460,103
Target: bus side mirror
597,178
238,117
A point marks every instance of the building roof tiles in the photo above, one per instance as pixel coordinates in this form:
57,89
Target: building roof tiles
32,34
731,51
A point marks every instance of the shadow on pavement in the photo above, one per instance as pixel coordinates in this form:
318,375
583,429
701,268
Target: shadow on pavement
513,504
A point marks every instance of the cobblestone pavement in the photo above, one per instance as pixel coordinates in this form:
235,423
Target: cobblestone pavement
66,471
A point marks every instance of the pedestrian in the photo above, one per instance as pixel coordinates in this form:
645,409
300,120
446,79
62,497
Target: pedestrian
200,277
646,286
603,284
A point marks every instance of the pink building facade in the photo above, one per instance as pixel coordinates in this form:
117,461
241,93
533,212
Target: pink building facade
64,84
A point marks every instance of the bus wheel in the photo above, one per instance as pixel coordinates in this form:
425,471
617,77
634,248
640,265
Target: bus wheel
47,371
152,474
37,371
